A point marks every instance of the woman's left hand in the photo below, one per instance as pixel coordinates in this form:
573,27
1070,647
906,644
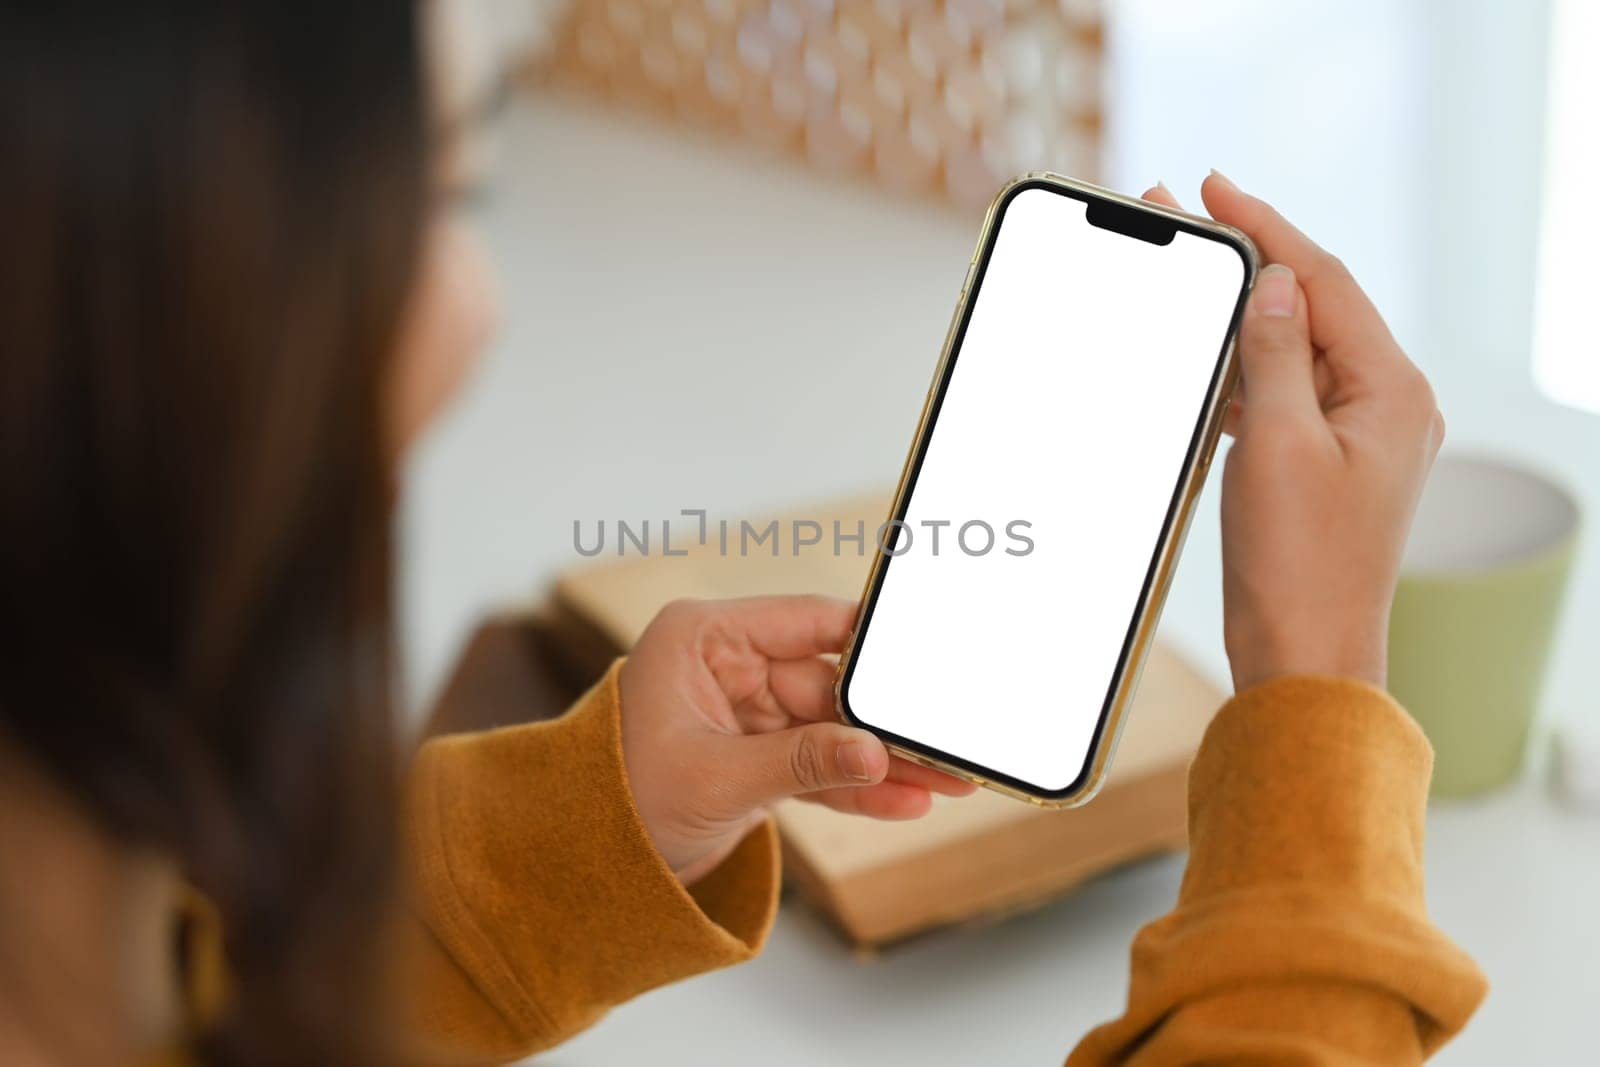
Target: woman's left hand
728,706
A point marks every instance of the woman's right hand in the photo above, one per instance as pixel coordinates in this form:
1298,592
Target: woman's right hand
1335,432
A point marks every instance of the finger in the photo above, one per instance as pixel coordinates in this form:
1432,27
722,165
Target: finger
788,627
1341,316
887,800
776,694
1275,354
771,695
905,772
1160,194
761,768
1232,418
803,688
1327,395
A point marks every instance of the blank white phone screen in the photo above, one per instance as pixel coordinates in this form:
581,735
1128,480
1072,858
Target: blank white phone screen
1064,428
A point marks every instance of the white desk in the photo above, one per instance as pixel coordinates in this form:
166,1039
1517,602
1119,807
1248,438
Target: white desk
690,325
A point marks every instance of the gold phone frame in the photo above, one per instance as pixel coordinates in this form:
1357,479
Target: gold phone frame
1202,447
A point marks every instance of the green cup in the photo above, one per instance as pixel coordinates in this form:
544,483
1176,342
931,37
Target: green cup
1475,614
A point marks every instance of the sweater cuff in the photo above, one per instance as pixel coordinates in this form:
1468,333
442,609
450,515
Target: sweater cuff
1319,780
540,880
1306,810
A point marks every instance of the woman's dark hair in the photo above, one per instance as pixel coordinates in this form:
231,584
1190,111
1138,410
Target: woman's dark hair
209,219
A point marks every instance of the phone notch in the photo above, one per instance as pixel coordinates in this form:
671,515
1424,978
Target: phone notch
1131,222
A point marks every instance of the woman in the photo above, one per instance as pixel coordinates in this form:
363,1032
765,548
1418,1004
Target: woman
235,286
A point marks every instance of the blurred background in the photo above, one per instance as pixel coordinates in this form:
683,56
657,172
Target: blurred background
731,233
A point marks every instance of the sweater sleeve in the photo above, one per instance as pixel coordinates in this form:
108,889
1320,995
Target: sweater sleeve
542,900
1300,934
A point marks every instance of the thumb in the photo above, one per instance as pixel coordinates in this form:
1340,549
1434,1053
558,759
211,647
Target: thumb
804,759
1275,357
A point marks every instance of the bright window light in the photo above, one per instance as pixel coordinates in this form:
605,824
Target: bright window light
1566,355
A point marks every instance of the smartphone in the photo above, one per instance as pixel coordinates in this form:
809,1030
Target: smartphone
1067,433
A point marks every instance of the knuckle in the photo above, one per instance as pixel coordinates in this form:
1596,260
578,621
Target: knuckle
808,604
1265,339
1417,394
1334,267
805,762
1258,330
680,612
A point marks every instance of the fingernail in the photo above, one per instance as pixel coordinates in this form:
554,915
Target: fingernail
1163,187
1223,178
1275,292
853,761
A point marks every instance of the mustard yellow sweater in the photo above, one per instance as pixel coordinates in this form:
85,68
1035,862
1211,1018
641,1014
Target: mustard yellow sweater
1300,934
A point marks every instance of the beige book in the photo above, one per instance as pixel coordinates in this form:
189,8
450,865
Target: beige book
971,858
